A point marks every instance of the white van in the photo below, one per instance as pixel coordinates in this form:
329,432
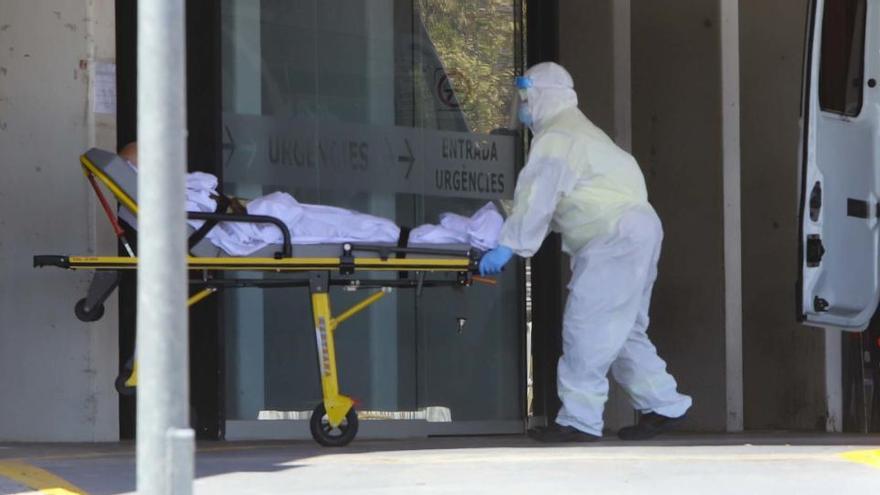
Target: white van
840,159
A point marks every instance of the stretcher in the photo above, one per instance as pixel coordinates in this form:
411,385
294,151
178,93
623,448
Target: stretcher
334,421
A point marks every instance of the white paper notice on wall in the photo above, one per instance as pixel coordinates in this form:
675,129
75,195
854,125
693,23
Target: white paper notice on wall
104,97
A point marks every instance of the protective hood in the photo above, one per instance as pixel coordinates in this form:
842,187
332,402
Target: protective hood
550,91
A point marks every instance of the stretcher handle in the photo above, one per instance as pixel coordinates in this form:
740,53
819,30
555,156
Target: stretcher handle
287,249
485,280
42,260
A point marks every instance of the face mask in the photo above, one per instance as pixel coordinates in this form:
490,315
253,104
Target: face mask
519,112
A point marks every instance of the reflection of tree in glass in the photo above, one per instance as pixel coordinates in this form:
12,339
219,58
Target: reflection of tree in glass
475,41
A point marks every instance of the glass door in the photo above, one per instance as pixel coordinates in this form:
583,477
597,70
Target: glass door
393,108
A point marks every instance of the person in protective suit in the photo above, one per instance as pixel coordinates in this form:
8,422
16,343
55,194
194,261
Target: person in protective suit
578,183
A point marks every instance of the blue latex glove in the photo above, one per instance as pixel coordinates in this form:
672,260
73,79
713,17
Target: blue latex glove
494,260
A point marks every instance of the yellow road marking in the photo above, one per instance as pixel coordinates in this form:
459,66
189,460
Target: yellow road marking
867,457
37,479
131,453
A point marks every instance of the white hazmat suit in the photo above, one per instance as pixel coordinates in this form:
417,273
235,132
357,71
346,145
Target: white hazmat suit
579,183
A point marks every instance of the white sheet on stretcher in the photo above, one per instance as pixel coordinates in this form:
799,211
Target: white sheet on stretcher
318,224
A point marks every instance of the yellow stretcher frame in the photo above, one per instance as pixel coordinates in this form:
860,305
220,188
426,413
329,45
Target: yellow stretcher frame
337,405
338,408
325,323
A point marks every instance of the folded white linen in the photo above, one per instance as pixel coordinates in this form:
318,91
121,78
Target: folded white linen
483,227
480,230
201,189
437,234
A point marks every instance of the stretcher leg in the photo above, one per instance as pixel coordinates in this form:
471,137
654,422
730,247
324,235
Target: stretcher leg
126,383
337,405
333,422
91,307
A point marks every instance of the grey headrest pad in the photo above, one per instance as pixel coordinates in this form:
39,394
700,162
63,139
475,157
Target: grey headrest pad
116,168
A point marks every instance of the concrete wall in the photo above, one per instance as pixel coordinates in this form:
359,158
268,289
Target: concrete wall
56,374
676,76
676,136
783,361
586,49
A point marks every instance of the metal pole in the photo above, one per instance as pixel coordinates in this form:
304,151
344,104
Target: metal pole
731,166
180,444
162,339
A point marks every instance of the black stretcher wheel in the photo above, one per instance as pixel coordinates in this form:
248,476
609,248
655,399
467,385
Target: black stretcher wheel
123,377
82,315
328,436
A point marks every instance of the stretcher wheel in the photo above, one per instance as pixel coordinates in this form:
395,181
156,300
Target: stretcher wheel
328,436
123,377
82,315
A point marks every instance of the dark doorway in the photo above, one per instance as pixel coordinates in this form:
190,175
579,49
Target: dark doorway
203,122
548,299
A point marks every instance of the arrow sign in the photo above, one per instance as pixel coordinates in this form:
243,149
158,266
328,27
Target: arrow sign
408,158
228,145
250,148
291,152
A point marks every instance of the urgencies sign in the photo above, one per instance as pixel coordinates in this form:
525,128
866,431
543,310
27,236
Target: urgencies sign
295,153
479,171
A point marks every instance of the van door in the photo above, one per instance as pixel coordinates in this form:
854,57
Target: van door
838,284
